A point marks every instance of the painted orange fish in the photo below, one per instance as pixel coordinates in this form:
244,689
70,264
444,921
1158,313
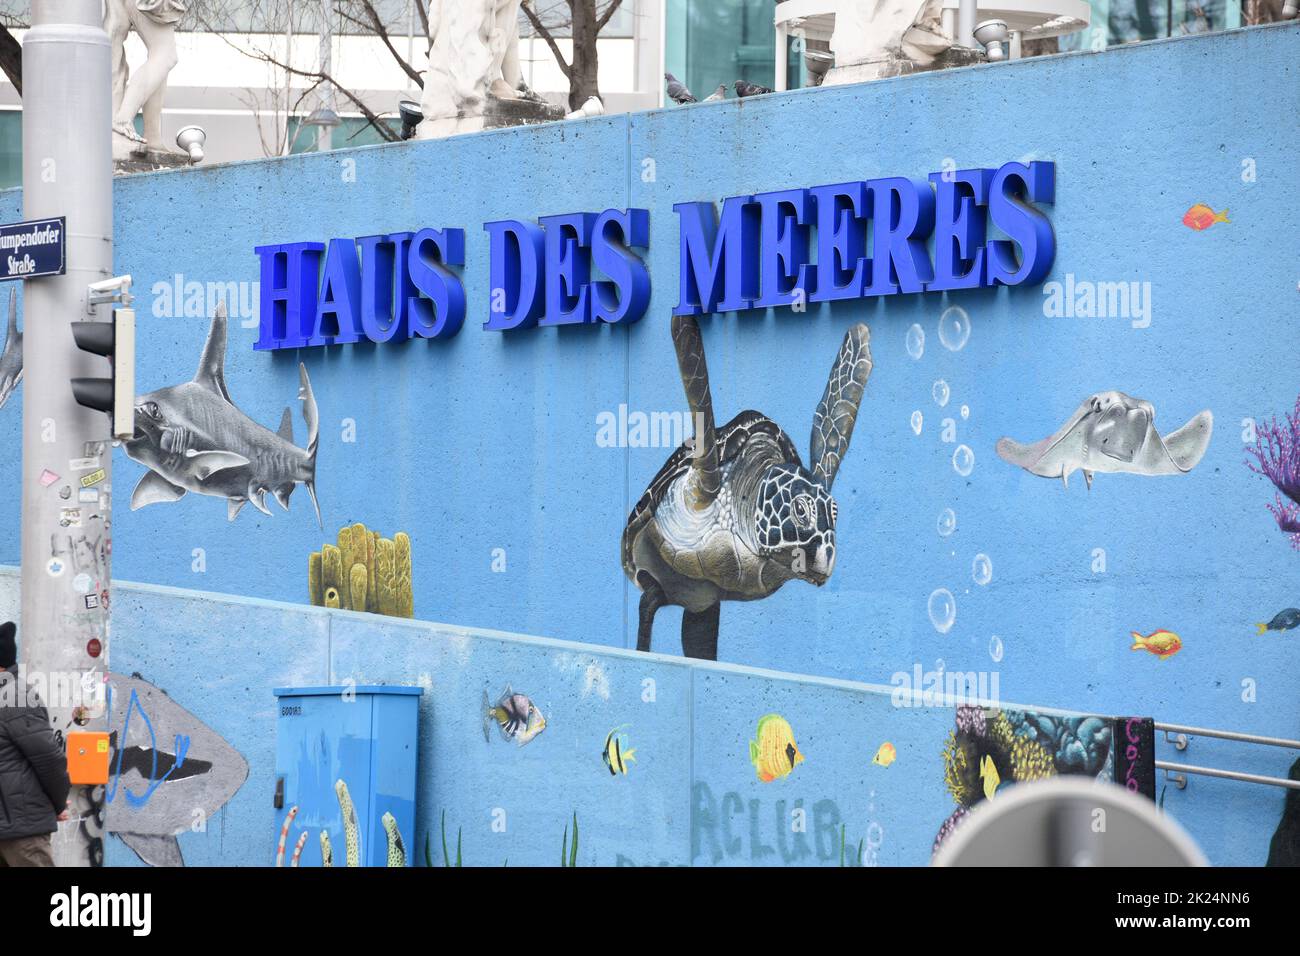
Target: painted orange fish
1202,216
1163,644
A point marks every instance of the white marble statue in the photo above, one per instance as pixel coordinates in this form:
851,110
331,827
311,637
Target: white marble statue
473,52
871,33
155,23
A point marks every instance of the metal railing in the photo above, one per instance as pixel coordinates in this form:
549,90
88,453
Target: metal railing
1177,772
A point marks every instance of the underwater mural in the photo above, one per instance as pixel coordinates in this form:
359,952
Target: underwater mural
167,770
11,359
395,855
773,751
1161,644
193,437
733,514
515,717
616,753
1276,455
1112,432
1201,217
363,572
992,748
1283,620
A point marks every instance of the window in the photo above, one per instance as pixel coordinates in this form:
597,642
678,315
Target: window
11,148
716,42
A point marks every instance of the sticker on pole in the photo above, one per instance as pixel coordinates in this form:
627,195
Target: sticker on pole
33,248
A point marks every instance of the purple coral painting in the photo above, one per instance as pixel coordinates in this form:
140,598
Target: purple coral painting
1276,455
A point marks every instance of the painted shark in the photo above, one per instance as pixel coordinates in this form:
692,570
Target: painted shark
192,437
165,763
11,360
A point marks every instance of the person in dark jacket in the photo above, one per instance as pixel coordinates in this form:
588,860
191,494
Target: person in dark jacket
33,769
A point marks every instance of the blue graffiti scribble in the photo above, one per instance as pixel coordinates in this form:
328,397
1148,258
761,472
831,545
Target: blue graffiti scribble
182,747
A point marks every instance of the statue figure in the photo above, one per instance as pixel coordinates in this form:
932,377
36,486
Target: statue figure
874,33
155,23
473,55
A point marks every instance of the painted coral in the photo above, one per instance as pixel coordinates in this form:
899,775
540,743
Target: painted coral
1276,455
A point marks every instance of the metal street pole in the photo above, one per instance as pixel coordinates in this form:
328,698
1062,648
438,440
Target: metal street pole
325,133
67,455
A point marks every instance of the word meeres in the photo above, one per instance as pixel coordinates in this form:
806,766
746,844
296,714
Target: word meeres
795,246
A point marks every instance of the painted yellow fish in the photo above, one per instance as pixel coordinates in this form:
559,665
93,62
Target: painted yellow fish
1163,644
989,775
885,755
617,753
774,753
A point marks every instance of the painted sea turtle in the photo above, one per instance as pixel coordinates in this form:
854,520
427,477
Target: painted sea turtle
734,514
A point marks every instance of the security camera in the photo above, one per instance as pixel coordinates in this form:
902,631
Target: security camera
412,116
116,289
191,140
992,34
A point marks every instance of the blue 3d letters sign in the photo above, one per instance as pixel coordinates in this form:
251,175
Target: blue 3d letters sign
847,240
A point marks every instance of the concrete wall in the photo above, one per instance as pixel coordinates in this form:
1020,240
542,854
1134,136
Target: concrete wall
691,796
484,447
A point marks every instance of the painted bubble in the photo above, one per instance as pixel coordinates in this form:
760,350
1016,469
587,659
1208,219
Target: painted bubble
947,522
965,411
916,341
954,328
963,460
875,835
995,649
917,421
943,610
940,392
981,569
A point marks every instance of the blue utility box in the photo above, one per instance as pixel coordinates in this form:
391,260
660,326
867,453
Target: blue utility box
345,775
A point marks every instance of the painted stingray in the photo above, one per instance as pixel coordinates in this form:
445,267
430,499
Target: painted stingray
165,763
1112,432
11,360
192,437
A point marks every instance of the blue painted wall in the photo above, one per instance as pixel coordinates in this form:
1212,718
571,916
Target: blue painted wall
489,441
690,797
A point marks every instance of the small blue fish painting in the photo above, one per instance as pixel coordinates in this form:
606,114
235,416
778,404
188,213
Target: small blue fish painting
1282,621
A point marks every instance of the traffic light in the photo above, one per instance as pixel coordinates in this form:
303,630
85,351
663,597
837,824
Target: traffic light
115,340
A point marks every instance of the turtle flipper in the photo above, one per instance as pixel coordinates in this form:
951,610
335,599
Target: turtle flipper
700,633
837,412
705,479
652,599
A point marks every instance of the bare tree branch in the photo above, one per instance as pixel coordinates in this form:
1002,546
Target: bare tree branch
545,34
318,76
609,12
382,32
11,58
281,143
382,128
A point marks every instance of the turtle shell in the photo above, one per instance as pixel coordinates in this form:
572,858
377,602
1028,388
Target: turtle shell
730,440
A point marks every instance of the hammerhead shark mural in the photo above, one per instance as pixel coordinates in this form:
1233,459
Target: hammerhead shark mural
11,360
192,437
